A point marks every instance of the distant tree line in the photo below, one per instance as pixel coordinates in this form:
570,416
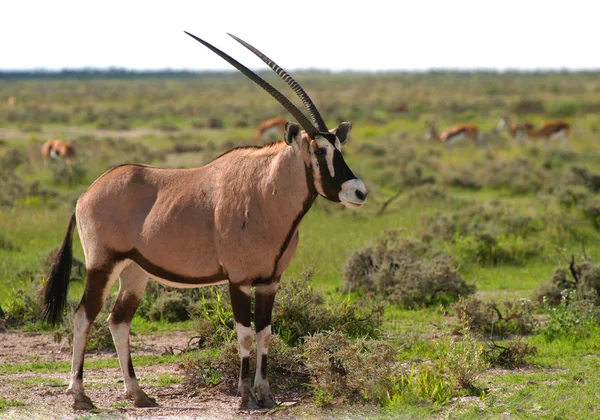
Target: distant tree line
122,73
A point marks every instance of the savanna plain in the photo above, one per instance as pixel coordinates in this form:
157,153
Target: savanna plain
467,286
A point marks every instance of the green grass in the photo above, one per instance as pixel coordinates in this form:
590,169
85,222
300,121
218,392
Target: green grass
51,367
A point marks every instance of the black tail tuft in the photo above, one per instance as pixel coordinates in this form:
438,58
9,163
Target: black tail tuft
57,283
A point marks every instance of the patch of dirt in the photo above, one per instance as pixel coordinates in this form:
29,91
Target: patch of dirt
43,394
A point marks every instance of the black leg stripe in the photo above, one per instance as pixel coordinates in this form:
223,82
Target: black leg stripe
245,372
263,366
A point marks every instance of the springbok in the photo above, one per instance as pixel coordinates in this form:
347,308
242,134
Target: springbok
453,135
53,149
272,126
234,220
548,131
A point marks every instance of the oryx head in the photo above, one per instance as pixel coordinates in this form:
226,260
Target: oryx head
320,147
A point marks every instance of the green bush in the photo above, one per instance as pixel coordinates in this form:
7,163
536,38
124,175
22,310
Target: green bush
405,273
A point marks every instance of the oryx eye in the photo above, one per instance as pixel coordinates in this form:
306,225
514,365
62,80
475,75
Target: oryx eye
319,152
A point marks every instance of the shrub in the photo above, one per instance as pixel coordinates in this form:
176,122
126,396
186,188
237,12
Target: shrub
509,355
353,369
170,307
300,311
490,318
219,368
583,281
22,307
63,174
405,273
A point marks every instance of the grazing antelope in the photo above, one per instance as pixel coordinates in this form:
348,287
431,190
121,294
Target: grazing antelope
457,134
234,220
272,126
548,131
53,149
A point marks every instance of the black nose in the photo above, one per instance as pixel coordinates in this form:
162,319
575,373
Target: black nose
361,195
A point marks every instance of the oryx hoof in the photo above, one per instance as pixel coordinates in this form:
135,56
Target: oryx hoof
267,402
248,400
144,401
83,402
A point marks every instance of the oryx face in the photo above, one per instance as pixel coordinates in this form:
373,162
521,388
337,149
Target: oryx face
332,177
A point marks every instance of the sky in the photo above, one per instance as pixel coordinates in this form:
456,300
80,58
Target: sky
354,35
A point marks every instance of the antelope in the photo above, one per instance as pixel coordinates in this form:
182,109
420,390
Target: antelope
12,101
274,125
547,131
57,148
456,134
234,220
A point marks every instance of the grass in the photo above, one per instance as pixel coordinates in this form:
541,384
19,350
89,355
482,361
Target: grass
53,367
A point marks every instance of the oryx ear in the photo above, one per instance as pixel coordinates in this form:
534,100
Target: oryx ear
292,132
342,132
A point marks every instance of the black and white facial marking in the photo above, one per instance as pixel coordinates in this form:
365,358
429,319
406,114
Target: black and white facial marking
333,178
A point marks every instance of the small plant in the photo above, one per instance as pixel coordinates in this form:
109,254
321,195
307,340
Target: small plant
213,316
427,383
463,358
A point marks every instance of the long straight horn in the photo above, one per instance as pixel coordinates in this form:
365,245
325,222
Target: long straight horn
292,109
308,103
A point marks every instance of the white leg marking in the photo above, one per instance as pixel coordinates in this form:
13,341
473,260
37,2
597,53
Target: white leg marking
244,336
263,339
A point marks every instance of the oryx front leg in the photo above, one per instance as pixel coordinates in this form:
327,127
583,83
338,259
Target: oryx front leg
133,281
263,307
241,305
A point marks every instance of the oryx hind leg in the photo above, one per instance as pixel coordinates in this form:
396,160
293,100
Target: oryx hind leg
264,296
98,283
133,281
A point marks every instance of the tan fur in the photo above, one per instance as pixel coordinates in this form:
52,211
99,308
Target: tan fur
60,147
277,123
12,101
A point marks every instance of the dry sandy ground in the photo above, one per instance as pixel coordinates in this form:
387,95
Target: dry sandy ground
43,394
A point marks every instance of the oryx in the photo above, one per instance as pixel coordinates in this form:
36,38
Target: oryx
234,220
